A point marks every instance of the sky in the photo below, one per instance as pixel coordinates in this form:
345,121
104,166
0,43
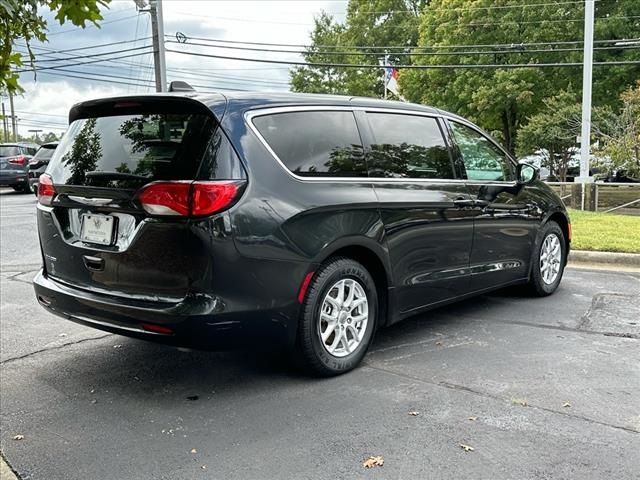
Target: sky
49,96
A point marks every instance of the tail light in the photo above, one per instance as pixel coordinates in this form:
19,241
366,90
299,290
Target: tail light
186,198
46,190
19,160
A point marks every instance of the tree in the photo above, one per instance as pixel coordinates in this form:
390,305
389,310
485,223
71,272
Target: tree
621,134
501,99
19,19
367,24
553,131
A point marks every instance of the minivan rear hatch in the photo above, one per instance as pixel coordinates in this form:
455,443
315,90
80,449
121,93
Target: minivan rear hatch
117,198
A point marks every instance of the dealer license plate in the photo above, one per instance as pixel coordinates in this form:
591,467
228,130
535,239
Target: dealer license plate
97,229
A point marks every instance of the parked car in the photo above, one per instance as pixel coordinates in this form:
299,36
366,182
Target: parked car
39,163
298,220
14,168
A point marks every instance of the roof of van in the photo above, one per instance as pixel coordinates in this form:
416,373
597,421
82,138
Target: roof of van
243,101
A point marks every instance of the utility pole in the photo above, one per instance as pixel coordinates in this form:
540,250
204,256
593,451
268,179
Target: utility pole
14,120
4,124
157,27
587,69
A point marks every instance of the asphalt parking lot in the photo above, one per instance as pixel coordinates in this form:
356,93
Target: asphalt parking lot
539,388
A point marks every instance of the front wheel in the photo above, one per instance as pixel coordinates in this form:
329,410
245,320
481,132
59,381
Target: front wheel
338,318
548,260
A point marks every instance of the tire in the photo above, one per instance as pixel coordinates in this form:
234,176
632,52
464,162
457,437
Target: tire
344,348
544,281
21,188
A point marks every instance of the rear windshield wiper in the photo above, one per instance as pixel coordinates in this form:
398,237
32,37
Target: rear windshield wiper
116,176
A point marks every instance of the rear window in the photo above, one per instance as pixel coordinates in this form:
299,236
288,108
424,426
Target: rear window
315,143
45,153
129,149
9,151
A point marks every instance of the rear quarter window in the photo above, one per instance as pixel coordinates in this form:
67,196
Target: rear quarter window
315,143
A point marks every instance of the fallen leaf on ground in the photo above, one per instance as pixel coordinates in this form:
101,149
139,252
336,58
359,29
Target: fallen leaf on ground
414,414
466,448
439,344
204,467
473,419
193,450
566,405
62,335
371,462
520,401
18,437
117,346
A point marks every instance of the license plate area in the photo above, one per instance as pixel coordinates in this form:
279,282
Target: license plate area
97,229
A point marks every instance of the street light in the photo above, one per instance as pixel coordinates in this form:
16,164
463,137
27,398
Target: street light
36,131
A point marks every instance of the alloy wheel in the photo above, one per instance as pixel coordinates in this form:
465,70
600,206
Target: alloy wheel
550,258
344,315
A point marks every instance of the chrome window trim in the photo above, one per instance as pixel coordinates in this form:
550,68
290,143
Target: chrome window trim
259,112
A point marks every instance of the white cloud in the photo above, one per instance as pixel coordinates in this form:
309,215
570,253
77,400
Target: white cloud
253,21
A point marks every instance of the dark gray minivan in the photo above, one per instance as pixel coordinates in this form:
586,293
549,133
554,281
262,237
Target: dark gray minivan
305,221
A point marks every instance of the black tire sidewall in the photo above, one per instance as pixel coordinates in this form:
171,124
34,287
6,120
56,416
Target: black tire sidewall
315,355
539,286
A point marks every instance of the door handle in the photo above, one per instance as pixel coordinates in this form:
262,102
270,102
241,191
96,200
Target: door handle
469,202
464,202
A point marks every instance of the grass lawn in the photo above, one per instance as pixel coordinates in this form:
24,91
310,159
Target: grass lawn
605,232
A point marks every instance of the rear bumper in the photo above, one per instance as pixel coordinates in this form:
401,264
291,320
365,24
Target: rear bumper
195,321
13,179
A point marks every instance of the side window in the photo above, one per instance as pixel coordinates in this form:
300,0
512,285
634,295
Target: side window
407,146
482,159
315,143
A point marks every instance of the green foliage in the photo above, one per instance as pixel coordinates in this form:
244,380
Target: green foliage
606,232
20,20
553,129
84,154
40,139
621,134
367,24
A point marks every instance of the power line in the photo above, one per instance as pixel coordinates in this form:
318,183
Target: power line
67,75
419,67
37,68
51,51
404,47
91,25
514,50
479,24
42,114
93,55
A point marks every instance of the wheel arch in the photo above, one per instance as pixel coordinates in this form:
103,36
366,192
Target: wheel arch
562,219
375,259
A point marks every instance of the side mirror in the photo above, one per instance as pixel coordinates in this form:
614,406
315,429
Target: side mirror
527,173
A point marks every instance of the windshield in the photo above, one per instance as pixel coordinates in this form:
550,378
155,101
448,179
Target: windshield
9,151
135,148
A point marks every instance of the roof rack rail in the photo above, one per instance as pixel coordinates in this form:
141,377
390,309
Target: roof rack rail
180,86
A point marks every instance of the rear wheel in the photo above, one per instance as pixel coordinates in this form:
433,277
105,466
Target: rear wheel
338,319
548,260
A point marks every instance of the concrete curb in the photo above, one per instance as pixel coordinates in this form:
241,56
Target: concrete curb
611,259
5,471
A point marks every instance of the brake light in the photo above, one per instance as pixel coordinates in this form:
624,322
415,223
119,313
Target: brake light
46,190
19,160
187,198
